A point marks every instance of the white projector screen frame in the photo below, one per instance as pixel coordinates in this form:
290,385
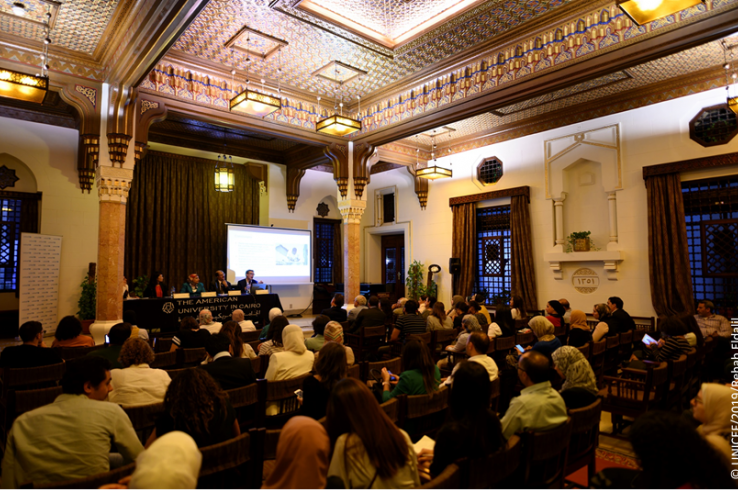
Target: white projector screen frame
278,256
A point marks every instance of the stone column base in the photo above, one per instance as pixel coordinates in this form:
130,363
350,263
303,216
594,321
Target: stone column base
99,329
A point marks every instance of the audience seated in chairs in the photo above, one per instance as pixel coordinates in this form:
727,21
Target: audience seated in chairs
334,333
671,346
302,456
469,324
228,371
329,368
606,323
369,451
438,319
190,335
580,384
315,342
460,310
138,384
517,308
206,322
274,343
547,343
129,317
473,430
580,333
555,313
409,323
69,334
480,299
246,324
475,309
336,311
239,350
504,324
273,313
118,335
420,376
71,437
294,361
712,408
476,348
672,455
623,321
359,306
539,406
567,310
196,405
372,316
32,353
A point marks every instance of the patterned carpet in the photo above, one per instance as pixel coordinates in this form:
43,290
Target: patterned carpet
604,459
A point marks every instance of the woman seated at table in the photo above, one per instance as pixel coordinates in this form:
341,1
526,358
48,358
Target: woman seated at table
156,287
193,285
69,334
420,377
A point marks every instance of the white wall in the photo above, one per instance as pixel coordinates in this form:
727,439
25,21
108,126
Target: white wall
651,135
50,153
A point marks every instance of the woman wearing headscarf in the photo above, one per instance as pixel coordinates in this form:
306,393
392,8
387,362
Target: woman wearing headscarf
580,385
713,406
334,333
555,313
172,462
296,360
193,285
302,458
579,333
546,344
273,313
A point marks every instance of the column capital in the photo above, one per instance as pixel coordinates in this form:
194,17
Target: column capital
352,210
113,183
559,199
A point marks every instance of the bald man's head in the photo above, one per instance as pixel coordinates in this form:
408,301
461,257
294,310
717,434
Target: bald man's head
535,365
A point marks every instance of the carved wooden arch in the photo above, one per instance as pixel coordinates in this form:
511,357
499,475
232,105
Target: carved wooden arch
149,110
86,102
421,188
294,175
121,115
363,153
338,155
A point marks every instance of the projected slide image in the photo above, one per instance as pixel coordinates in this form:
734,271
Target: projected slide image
291,254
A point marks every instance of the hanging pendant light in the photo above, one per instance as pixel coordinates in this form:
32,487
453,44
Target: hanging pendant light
645,11
253,103
224,177
338,125
731,85
435,171
23,86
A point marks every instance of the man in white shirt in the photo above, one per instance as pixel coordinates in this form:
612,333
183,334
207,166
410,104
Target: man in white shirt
476,349
711,324
207,323
246,325
567,314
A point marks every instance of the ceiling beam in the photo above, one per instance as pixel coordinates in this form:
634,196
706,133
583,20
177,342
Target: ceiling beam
689,36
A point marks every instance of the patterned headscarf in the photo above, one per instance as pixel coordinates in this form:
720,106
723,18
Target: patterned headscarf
471,322
576,369
333,332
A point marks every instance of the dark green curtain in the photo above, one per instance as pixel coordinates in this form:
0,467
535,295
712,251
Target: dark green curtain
176,221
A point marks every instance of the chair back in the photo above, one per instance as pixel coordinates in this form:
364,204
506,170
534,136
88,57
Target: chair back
494,395
162,344
345,325
282,392
190,357
143,418
93,482
585,350
524,339
32,377
585,435
521,323
368,340
250,336
241,399
69,353
449,479
256,365
545,457
494,470
271,440
392,408
647,324
223,463
173,373
164,359
439,339
27,400
423,414
354,371
392,365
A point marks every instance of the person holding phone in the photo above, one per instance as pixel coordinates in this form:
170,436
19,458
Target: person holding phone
671,345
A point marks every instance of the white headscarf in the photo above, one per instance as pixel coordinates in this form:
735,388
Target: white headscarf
293,339
273,313
172,462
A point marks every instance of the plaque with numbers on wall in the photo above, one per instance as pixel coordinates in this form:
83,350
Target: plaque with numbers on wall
39,266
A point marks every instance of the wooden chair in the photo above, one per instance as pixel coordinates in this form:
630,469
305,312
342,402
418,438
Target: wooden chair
597,358
633,394
143,418
494,395
502,347
675,387
625,349
585,435
164,360
23,401
439,340
449,479
691,381
495,470
423,414
263,366
190,357
173,373
521,323
392,408
69,353
585,350
612,355
245,402
345,325
25,379
93,482
524,339
367,341
648,324
256,365
426,338
392,365
162,344
354,371
545,457
562,332
250,336
638,334
225,465
281,393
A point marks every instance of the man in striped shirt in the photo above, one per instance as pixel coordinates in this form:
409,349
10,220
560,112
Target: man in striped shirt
711,324
409,323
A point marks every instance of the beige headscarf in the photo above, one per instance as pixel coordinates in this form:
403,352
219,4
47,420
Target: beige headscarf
293,339
273,313
718,405
302,456
578,320
172,462
542,328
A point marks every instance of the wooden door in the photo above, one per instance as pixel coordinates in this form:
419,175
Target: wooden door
393,265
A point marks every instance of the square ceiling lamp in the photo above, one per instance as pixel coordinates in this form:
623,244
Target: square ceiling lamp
645,11
338,125
434,172
22,86
255,103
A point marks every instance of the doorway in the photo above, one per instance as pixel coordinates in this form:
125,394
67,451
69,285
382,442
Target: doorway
393,265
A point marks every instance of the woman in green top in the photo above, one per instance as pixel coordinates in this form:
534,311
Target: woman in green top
420,377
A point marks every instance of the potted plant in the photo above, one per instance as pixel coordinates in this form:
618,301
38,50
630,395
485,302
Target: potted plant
414,287
87,303
579,241
139,285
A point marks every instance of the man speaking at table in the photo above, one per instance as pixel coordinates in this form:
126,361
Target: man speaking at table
246,285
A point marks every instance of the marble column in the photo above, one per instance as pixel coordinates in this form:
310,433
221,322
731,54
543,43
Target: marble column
559,221
112,185
351,211
612,245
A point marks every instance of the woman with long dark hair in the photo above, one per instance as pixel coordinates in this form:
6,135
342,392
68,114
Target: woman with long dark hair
156,287
420,376
233,331
517,308
329,368
195,404
437,320
274,336
369,450
503,325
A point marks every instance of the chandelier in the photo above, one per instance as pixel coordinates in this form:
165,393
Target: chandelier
435,171
253,103
338,125
644,11
731,88
224,177
23,86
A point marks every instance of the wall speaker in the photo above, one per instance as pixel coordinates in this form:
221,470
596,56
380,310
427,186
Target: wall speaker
454,265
